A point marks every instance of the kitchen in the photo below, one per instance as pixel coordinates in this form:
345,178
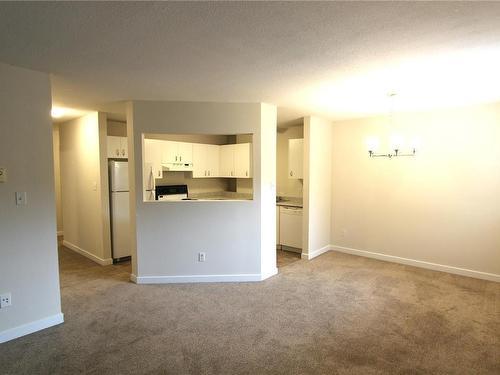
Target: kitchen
197,167
289,191
200,168
181,168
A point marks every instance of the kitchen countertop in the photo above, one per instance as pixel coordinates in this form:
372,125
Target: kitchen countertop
219,196
290,202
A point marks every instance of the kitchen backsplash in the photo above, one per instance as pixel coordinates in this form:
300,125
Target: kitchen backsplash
195,185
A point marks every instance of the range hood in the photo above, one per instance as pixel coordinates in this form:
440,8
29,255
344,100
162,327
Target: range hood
177,167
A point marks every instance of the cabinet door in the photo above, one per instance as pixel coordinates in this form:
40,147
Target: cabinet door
123,147
153,155
277,225
185,152
213,160
295,158
226,164
169,152
242,160
200,158
113,145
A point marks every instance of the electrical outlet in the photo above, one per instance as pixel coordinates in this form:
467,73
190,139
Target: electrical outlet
202,257
5,300
21,199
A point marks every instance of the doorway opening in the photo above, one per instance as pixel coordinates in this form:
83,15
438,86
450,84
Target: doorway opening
289,193
92,196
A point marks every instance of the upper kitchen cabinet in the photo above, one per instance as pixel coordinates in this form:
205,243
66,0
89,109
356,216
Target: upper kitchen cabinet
243,160
226,164
236,160
296,158
205,160
153,156
177,152
117,147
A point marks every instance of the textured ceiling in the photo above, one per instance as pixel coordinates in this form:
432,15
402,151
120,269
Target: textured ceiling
338,60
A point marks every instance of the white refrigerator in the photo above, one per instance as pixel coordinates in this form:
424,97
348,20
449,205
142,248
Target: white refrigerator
120,213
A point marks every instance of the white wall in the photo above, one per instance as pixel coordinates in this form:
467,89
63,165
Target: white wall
441,207
267,189
28,250
116,128
169,235
84,188
288,187
317,187
57,177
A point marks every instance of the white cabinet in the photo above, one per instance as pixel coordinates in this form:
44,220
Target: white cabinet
242,160
213,158
177,152
296,158
290,233
277,226
226,166
236,160
153,156
205,160
117,147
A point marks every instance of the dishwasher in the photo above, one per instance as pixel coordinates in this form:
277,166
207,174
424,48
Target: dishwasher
291,227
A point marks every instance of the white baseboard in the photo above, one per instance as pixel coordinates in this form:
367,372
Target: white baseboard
85,253
419,263
199,278
313,254
267,275
60,233
26,329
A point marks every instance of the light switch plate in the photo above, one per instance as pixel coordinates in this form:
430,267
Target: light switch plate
21,199
3,174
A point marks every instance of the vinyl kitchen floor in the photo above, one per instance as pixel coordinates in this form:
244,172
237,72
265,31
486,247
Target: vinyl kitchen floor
284,258
336,314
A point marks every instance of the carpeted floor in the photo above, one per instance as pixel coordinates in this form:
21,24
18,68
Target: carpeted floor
336,314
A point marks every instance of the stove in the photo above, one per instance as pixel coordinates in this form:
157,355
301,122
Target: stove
171,193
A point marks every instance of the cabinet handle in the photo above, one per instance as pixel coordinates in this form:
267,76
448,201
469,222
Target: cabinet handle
176,158
123,152
117,152
246,173
205,173
180,158
209,173
291,173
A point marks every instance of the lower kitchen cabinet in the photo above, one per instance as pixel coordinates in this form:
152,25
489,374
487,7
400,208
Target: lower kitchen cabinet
277,226
290,226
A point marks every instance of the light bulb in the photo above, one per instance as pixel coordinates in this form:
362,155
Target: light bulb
57,112
415,143
396,142
373,144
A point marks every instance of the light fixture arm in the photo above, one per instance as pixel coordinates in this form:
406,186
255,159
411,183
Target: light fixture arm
391,155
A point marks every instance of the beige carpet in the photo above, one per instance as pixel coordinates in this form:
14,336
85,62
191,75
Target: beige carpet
337,314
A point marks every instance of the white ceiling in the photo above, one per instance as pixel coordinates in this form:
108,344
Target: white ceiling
338,60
